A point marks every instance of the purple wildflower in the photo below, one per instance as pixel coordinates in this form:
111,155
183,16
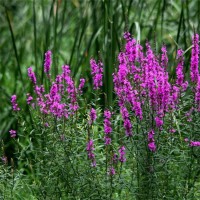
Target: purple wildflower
127,36
188,114
29,98
59,79
52,102
94,164
39,90
197,94
12,133
97,73
175,93
164,58
194,71
186,140
71,89
159,122
107,123
107,140
31,75
90,149
93,115
46,124
47,61
14,103
115,158
195,143
179,71
172,130
131,51
122,154
151,141
126,120
107,127
81,85
111,171
107,114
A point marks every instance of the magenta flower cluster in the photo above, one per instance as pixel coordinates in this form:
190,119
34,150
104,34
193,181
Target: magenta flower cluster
97,73
197,94
111,171
126,120
194,143
194,66
15,106
81,85
61,100
29,99
31,75
47,61
151,141
13,133
122,153
93,115
141,84
90,149
164,57
142,80
179,71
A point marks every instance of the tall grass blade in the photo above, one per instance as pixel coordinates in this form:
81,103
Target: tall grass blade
14,47
35,36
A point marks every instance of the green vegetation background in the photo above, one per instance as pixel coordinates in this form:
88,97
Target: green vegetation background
75,31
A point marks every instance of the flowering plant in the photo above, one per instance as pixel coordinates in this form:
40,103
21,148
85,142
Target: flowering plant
73,151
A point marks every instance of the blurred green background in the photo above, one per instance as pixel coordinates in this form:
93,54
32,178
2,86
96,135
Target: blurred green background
75,31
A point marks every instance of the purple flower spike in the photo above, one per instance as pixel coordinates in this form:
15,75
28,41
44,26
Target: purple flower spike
159,122
115,158
151,141
195,143
197,94
31,75
107,127
29,98
164,58
179,69
81,85
126,120
152,146
47,61
107,140
94,164
71,89
127,36
111,171
90,149
122,154
14,103
97,73
93,115
12,133
194,71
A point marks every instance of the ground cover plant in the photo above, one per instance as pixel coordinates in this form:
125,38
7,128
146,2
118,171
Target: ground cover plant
98,114
71,149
